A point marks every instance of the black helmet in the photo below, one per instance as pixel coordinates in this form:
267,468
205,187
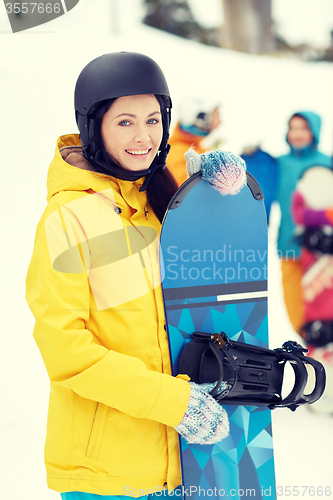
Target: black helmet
116,75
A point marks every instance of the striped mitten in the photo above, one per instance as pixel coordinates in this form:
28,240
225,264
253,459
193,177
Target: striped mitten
225,171
205,421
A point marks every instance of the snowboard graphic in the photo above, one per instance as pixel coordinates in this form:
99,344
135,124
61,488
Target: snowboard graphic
316,187
214,270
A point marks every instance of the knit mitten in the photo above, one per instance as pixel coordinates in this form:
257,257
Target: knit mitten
193,162
225,171
205,421
209,386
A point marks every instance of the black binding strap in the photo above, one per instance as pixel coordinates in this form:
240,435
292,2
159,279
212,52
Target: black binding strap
253,375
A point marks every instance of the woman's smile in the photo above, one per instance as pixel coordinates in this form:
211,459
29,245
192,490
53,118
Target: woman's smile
138,152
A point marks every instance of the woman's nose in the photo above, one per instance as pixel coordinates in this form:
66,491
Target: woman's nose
141,134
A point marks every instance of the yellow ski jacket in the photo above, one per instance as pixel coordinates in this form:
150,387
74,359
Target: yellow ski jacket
93,286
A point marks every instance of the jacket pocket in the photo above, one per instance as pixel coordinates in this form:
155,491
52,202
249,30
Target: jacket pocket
97,431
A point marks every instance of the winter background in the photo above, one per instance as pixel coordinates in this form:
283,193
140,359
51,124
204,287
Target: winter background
257,94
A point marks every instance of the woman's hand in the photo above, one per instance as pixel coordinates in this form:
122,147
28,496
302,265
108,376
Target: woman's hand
205,421
225,171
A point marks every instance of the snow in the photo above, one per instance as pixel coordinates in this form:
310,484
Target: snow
38,73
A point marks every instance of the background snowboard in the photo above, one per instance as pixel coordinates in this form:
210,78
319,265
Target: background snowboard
214,253
316,187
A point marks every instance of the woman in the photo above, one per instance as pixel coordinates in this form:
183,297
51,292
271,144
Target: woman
94,288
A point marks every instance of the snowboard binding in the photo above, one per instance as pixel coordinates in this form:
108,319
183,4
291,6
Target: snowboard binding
253,375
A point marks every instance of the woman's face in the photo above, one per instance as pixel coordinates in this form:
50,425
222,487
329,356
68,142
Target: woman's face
299,134
132,131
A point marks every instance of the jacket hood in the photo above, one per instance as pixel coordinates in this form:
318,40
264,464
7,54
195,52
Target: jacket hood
314,123
70,171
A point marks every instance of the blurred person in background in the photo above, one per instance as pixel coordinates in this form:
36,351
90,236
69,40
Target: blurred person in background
197,120
303,139
312,209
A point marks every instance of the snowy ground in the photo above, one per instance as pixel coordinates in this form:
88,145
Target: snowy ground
38,72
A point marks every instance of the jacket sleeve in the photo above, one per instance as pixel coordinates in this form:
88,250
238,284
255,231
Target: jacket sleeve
75,360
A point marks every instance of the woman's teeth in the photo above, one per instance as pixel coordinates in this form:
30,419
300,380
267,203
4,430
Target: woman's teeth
143,152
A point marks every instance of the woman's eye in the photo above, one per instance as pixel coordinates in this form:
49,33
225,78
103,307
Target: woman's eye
152,121
124,123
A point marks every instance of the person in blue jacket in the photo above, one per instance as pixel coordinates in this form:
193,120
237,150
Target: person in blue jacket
303,138
264,169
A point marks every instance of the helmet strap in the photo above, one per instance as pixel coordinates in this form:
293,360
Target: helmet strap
115,170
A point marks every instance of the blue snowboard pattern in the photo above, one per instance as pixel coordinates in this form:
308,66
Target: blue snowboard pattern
214,269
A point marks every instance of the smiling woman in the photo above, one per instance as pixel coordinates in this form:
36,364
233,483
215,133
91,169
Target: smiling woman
97,98
94,287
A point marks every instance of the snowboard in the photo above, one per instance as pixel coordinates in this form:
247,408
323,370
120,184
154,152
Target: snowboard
214,278
316,187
